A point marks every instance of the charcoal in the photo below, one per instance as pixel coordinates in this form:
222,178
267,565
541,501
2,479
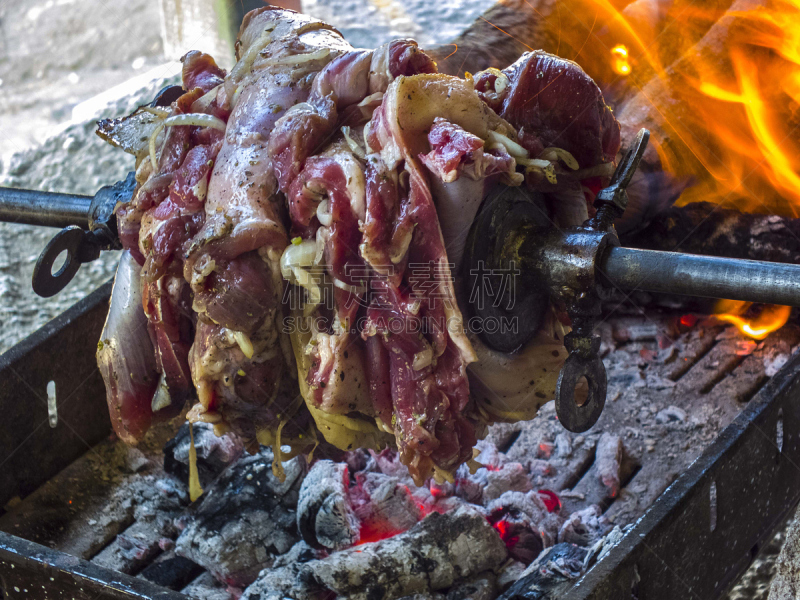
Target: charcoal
205,587
360,460
497,476
550,575
509,573
153,503
384,505
301,552
213,453
388,462
524,524
583,527
512,476
482,586
245,519
171,571
437,552
325,515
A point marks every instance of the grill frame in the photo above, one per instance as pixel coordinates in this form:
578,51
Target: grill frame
669,550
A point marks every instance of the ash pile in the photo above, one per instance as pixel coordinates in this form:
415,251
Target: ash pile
355,525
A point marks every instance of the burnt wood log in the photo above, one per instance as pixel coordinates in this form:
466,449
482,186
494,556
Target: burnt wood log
433,555
245,519
711,229
325,516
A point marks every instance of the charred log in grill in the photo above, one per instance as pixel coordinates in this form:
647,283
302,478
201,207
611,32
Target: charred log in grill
246,519
715,230
325,515
550,575
433,555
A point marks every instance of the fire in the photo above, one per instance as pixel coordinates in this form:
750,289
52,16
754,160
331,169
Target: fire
731,105
717,83
619,58
758,327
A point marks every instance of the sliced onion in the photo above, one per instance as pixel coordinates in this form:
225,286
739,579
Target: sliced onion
554,154
244,343
299,107
324,214
357,150
298,59
303,278
205,100
245,63
422,359
197,119
159,111
347,287
323,235
161,399
514,149
298,255
376,97
369,148
534,162
543,166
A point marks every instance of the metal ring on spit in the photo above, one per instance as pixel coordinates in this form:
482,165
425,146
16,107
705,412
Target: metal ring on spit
46,283
580,417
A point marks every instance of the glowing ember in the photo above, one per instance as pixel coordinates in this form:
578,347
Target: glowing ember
551,501
619,60
759,326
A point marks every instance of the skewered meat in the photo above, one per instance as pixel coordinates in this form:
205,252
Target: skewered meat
300,225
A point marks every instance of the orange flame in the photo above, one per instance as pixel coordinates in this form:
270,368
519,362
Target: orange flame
771,317
620,64
718,84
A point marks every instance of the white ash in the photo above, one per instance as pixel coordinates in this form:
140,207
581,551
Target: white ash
671,414
325,515
525,519
383,505
563,446
245,519
433,555
583,527
512,476
608,457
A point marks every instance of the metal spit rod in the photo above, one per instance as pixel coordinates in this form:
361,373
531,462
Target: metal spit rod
29,207
704,276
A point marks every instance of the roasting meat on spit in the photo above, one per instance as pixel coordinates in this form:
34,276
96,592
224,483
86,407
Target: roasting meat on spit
295,246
